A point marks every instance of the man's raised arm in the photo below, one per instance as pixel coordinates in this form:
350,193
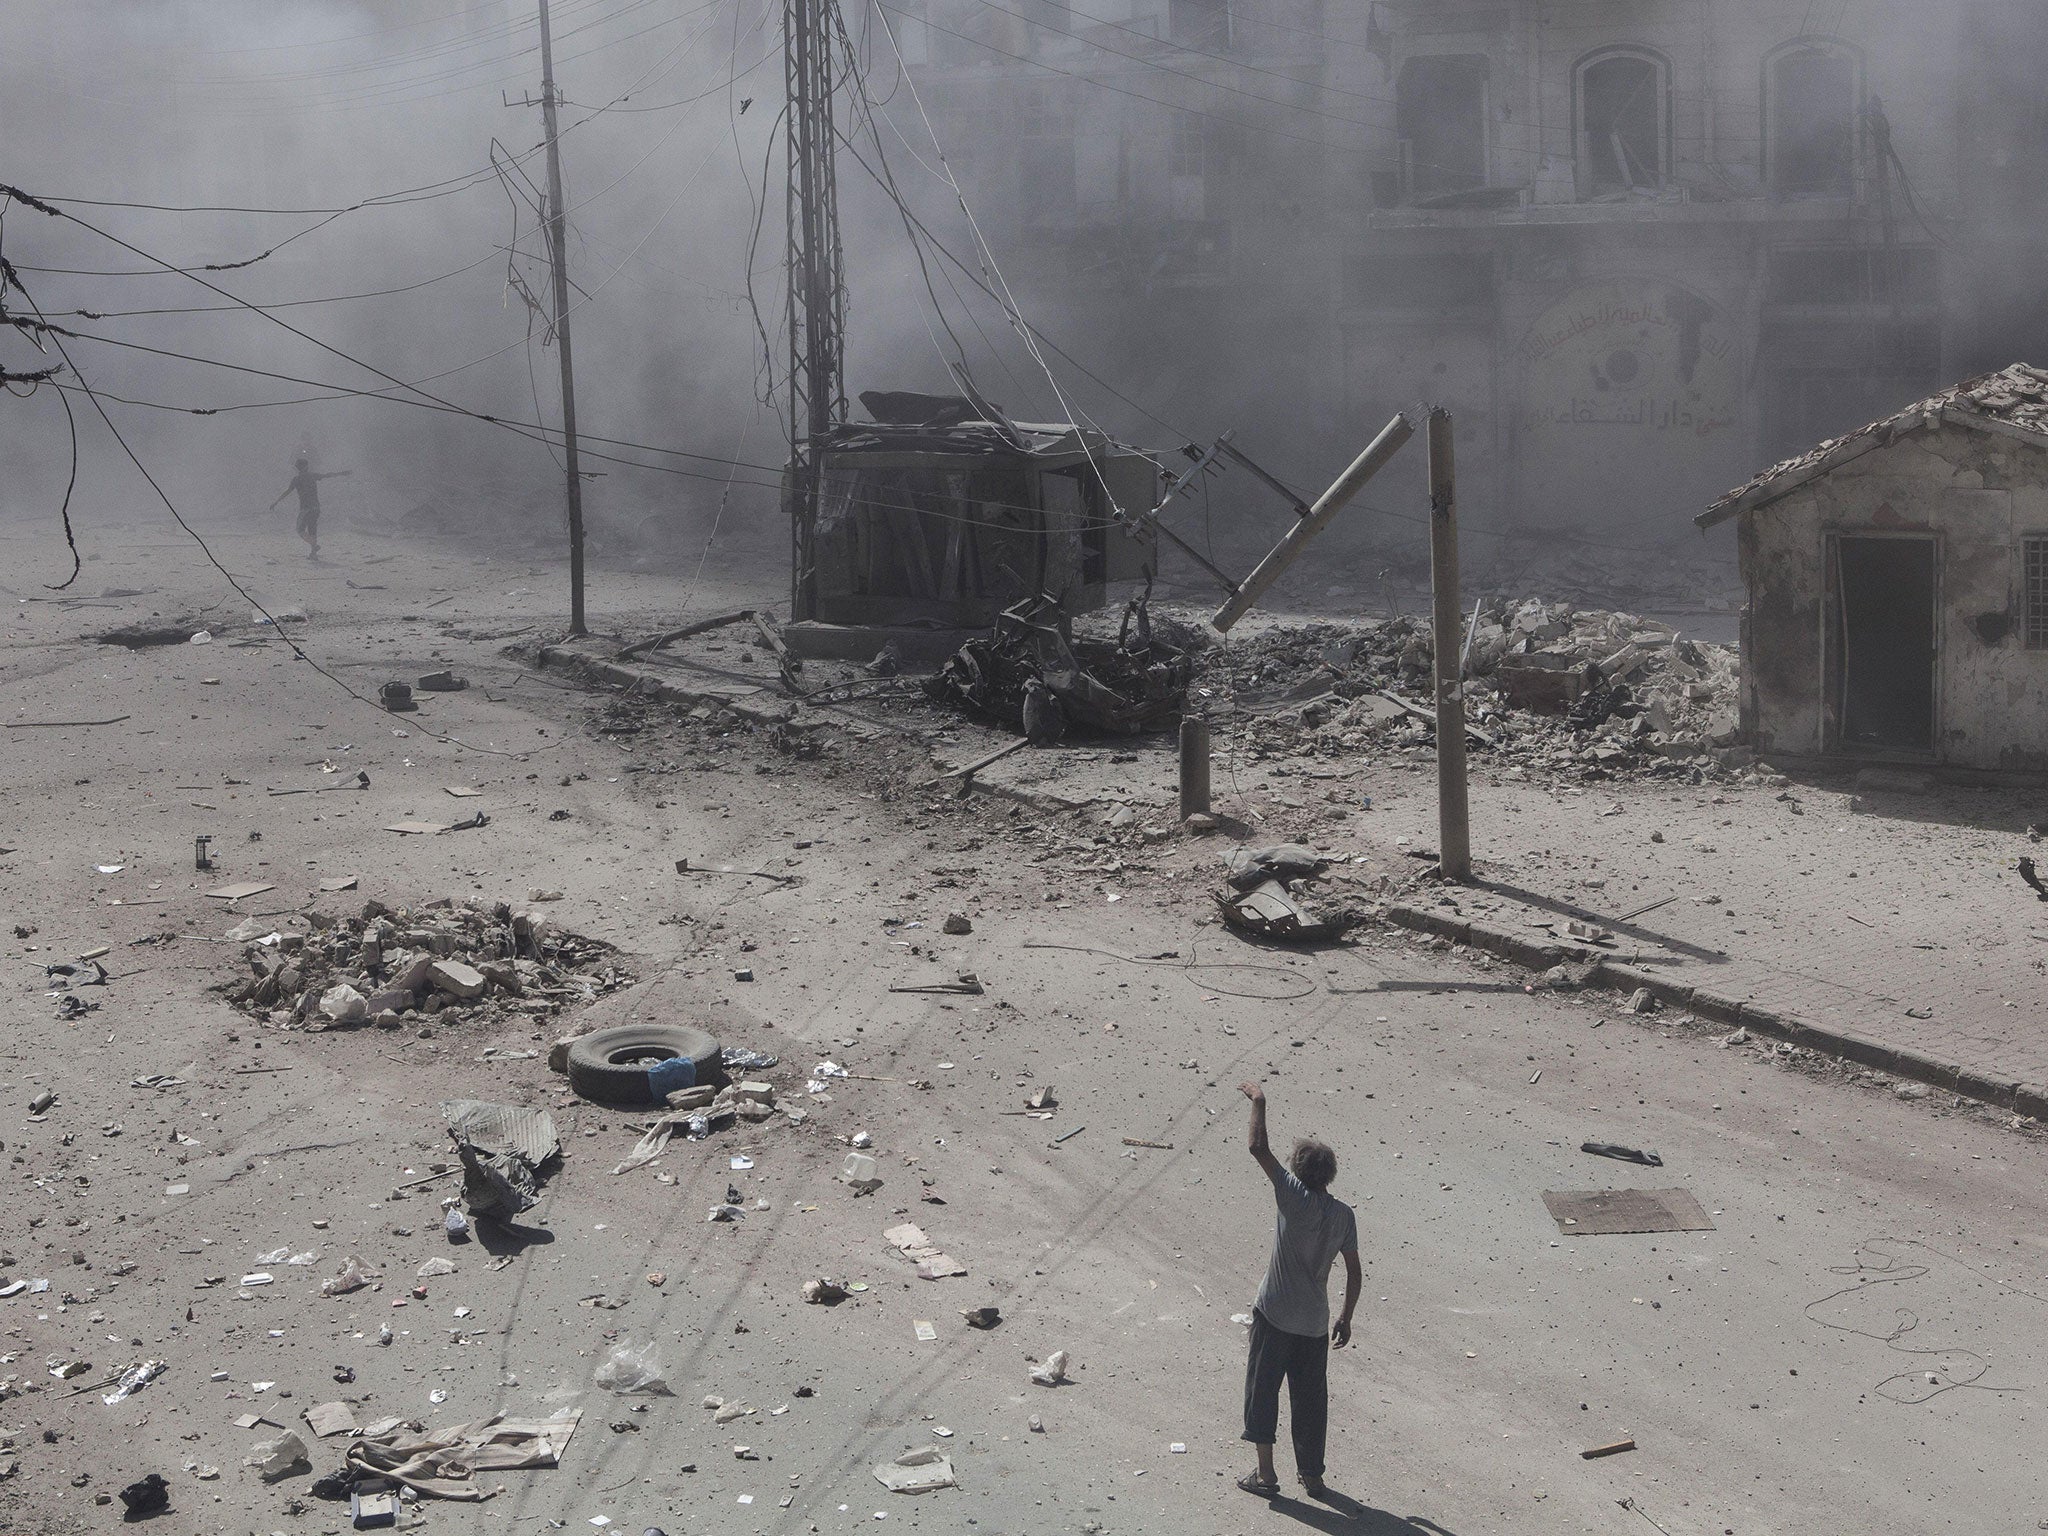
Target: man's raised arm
1256,1139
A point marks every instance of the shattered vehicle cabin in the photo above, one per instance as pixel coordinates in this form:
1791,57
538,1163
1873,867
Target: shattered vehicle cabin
940,513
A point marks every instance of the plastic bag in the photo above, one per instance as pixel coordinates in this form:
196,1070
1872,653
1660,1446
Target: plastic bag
133,1381
355,1274
667,1077
634,1369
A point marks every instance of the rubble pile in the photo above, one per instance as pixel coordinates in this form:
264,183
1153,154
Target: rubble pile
1547,685
388,966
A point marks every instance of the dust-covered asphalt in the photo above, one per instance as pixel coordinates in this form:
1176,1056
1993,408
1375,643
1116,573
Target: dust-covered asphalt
1857,1345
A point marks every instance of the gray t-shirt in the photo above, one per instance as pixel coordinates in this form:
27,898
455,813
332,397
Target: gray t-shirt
1311,1228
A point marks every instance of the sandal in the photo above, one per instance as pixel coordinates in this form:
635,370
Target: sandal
1252,1483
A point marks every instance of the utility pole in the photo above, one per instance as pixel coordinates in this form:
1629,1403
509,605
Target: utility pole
1454,831
817,293
559,260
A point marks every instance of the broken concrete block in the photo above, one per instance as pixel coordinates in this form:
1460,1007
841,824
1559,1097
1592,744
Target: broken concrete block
389,1000
958,923
413,978
759,1093
504,975
458,980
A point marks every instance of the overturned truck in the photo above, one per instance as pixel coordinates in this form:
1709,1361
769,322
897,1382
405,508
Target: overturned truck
941,512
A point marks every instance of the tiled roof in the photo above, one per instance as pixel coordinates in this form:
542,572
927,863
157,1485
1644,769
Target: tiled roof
2012,402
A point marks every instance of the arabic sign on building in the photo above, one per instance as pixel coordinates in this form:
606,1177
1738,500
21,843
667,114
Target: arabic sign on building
1631,405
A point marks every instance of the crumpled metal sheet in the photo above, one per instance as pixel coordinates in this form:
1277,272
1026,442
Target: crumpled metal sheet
503,1128
503,1147
1270,911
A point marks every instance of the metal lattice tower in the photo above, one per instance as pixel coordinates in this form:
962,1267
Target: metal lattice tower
817,294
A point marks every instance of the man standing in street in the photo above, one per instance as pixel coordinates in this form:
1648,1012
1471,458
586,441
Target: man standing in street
307,484
1292,1334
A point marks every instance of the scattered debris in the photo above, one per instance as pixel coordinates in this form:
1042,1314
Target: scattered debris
631,1369
1587,693
1613,1448
1606,1212
981,1317
503,1147
920,1471
824,1292
279,1458
1034,662
133,1381
1621,1153
441,1463
472,960
910,1240
1053,1371
149,1496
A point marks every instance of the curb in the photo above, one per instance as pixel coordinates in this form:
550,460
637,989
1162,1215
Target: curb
2030,1099
592,669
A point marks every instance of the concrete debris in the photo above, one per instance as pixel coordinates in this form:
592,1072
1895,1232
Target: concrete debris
920,1471
446,961
1588,693
279,1458
1053,1371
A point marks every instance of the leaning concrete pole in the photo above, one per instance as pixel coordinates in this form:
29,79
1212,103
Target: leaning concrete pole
1328,505
1454,830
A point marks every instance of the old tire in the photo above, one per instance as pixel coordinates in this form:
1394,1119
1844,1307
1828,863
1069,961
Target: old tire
611,1064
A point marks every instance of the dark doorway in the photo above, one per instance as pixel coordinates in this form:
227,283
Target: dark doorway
1886,608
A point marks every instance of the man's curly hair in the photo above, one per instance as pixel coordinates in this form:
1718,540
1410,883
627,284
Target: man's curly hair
1313,1163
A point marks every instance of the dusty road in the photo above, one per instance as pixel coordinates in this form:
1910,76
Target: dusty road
1857,1346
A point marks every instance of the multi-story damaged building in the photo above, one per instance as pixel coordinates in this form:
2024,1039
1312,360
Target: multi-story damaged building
1641,247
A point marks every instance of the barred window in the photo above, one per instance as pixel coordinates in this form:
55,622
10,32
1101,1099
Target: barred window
2034,554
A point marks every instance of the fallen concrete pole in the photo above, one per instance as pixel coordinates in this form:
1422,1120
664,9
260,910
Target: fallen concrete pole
1328,505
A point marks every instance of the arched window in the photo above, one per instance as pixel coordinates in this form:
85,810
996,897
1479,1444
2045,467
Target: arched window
1623,110
1812,94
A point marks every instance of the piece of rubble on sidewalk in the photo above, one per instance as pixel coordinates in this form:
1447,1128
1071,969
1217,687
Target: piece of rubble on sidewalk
503,1148
920,1471
326,1419
824,1292
1053,1371
279,1458
910,1240
441,1463
1270,910
1608,1212
1621,1153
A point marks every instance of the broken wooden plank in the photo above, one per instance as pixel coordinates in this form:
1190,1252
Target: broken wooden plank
240,889
738,616
968,770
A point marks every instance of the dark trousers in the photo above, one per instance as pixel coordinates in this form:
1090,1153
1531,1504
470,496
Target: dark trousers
1304,1362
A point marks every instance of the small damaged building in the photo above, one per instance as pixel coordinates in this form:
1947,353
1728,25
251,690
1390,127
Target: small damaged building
1897,581
942,512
